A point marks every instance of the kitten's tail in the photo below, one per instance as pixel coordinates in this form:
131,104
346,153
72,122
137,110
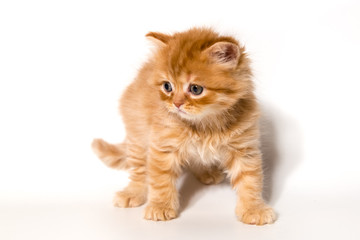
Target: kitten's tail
113,155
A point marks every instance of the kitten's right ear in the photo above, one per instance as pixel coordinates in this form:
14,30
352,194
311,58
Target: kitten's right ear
226,54
159,39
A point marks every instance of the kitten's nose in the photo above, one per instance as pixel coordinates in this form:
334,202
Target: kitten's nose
178,104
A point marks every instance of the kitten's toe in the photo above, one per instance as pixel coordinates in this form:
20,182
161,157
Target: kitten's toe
125,199
257,215
159,213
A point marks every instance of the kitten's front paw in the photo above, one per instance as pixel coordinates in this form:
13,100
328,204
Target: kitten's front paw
257,215
126,199
159,213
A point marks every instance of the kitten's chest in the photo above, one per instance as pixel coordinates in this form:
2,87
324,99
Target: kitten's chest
205,150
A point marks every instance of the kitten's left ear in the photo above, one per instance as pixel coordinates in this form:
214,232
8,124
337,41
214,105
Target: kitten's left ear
160,39
226,54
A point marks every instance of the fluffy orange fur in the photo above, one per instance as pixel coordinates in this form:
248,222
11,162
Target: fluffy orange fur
191,105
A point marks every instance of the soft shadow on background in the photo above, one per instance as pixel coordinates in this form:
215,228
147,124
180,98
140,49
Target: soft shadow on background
190,190
281,146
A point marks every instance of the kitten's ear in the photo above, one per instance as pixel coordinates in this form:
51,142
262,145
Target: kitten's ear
226,54
159,39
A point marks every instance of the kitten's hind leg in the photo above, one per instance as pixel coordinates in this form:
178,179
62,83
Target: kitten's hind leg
208,175
135,193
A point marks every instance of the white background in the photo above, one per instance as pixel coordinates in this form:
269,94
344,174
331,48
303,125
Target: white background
64,64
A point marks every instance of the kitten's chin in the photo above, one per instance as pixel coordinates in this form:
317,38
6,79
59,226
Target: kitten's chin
183,114
190,117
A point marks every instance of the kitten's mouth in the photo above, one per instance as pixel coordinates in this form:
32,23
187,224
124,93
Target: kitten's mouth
181,111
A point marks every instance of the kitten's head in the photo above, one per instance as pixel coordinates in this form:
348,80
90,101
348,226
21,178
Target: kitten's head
199,73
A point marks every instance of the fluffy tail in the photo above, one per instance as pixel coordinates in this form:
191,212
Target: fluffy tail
113,155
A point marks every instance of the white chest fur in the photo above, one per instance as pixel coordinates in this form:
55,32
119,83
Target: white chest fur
204,151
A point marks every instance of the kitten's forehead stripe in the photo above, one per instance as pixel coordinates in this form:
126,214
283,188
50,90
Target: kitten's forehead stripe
189,76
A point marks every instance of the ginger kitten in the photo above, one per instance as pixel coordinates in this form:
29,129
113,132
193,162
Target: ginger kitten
191,105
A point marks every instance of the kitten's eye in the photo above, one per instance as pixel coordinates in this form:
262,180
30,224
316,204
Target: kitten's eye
167,86
196,89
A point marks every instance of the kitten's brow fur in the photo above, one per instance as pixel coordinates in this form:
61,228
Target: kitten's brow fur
213,134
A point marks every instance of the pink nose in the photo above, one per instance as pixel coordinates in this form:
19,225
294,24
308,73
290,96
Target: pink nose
178,104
